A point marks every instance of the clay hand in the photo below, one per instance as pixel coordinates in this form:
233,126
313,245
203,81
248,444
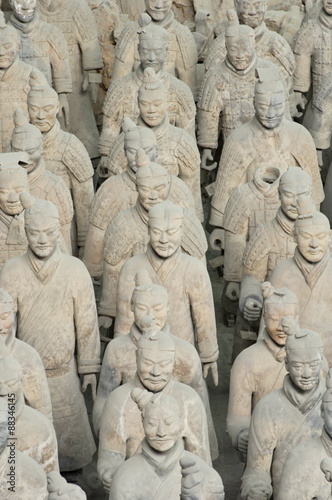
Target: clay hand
300,100
94,88
214,371
252,310
319,157
233,291
106,478
192,479
90,379
201,21
242,442
207,155
64,108
102,168
217,239
261,491
105,322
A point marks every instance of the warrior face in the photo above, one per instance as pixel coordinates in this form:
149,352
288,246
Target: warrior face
42,234
158,9
289,195
9,46
304,366
24,10
165,235
7,318
240,51
251,12
161,426
43,112
11,185
152,303
155,368
152,54
152,190
312,241
327,6
270,108
141,138
153,106
274,315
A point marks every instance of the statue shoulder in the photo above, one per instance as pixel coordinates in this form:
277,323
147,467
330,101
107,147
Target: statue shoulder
194,240
186,43
238,208
57,41
118,238
77,160
126,40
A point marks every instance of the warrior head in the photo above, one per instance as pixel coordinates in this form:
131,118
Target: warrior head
158,9
152,180
280,306
295,185
43,104
24,10
251,12
269,98
165,228
9,43
148,299
152,99
27,138
135,138
153,44
7,318
327,7
240,42
13,181
312,232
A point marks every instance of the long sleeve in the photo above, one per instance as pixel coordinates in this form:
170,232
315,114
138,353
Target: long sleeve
195,435
235,245
303,49
186,59
126,285
88,38
209,108
83,194
59,59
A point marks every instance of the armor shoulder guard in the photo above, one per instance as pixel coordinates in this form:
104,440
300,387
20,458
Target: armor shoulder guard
58,190
281,50
115,95
324,94
217,52
117,160
127,38
183,95
180,193
104,203
85,21
77,160
303,40
187,151
58,42
194,240
117,239
212,85
186,43
258,246
238,208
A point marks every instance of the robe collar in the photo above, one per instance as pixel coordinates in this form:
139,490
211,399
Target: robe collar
277,352
260,31
44,269
25,28
166,23
144,215
50,137
276,133
15,225
37,173
311,271
266,189
327,442
163,463
304,401
135,333
9,73
325,19
284,222
163,267
240,72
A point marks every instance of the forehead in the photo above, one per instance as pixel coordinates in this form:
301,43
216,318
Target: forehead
165,223
280,309
153,181
294,187
42,102
303,354
13,179
41,223
158,412
269,96
152,298
313,229
241,40
154,355
150,43
157,95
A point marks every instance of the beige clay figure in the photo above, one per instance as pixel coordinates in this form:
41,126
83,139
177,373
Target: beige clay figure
269,137
14,83
128,235
164,470
43,46
77,24
308,273
121,99
53,295
285,417
119,361
260,368
64,155
302,475
182,53
43,184
131,9
34,383
185,279
121,429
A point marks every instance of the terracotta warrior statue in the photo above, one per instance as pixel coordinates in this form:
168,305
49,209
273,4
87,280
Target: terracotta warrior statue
185,279
227,96
53,295
34,433
249,206
121,99
268,44
272,242
121,429
34,383
64,155
131,9
43,46
177,149
119,361
260,368
285,417
182,53
14,82
78,26
302,474
13,180
128,233
163,469
308,273
42,184
269,137
313,53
